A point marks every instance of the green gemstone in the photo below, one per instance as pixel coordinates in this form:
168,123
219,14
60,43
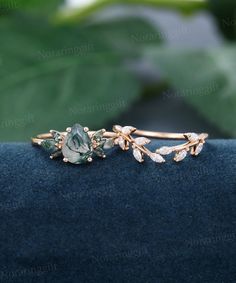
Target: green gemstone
49,145
97,136
77,146
99,152
56,135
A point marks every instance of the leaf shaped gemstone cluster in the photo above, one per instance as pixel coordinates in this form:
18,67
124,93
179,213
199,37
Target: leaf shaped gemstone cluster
194,145
124,138
77,146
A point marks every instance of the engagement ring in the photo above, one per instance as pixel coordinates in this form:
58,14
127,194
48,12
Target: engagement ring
79,145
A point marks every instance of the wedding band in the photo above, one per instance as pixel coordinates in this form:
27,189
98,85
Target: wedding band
79,145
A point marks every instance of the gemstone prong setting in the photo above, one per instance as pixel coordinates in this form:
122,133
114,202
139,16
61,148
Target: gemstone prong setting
78,145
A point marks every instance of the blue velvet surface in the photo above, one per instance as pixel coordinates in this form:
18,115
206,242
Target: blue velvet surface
116,220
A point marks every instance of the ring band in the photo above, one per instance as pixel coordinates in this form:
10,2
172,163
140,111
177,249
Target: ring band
78,144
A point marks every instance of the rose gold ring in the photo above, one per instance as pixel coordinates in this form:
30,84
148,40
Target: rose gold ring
78,144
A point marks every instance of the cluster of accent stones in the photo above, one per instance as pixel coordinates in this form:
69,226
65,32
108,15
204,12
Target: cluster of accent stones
124,138
195,146
77,146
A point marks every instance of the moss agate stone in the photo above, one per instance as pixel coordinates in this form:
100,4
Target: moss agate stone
77,146
49,145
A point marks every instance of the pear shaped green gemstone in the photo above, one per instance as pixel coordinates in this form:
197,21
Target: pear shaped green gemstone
77,146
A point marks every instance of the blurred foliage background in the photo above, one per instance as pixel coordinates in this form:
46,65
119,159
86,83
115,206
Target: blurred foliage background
160,64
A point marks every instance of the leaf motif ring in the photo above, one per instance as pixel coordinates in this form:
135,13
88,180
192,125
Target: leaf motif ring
79,145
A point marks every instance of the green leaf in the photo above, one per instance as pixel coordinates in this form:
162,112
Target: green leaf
35,7
52,77
205,78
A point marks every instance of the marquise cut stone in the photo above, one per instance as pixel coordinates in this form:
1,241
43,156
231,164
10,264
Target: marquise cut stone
180,155
198,148
192,137
142,141
109,143
157,158
127,130
121,142
138,155
164,150
49,145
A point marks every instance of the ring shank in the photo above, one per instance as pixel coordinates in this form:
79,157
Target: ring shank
151,134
